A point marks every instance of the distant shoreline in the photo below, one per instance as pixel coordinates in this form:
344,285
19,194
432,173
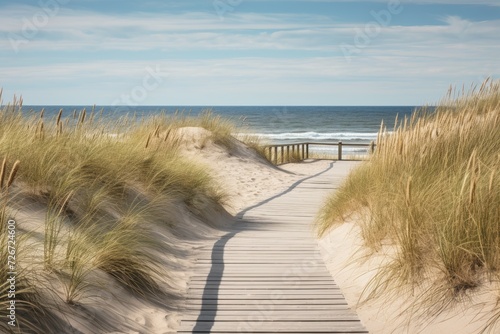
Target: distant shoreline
274,125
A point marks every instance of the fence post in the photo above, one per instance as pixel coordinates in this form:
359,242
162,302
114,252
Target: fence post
340,150
287,153
372,147
282,155
307,151
276,155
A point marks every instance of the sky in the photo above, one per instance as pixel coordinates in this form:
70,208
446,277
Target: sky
245,52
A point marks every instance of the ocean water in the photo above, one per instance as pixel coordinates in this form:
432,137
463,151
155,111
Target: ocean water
279,125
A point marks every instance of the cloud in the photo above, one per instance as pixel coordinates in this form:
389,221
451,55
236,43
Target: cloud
74,29
71,30
193,21
401,77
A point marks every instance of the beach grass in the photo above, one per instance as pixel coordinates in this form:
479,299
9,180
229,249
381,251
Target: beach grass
103,185
432,191
17,294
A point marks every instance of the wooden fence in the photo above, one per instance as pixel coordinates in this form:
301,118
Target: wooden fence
285,153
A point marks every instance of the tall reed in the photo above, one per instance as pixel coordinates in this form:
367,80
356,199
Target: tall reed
104,185
432,189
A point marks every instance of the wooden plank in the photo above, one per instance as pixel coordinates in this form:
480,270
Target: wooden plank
260,294
251,273
283,257
313,315
259,290
268,301
300,257
261,278
242,298
249,326
262,285
259,307
264,265
260,270
258,250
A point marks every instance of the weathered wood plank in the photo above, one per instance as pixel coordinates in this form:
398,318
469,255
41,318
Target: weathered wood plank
261,307
262,285
274,326
261,278
198,301
257,307
314,315
262,294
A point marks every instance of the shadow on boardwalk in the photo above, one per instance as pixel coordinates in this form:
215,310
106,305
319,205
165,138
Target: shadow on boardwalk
208,312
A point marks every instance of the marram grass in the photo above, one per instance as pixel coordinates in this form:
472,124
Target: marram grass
104,186
432,189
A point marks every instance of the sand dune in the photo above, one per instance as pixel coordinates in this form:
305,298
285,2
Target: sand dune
353,267
246,176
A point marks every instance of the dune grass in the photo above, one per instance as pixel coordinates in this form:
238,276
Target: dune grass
14,286
432,189
105,184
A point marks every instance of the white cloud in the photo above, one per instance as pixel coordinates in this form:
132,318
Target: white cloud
73,31
195,21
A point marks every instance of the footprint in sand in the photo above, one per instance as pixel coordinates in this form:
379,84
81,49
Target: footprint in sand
173,320
140,320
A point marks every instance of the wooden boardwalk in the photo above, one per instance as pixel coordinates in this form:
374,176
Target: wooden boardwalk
267,274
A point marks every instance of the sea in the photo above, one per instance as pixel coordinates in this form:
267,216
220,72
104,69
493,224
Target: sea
277,125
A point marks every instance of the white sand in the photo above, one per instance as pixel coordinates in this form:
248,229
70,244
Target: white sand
246,177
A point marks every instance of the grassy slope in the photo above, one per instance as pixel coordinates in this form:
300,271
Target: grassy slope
102,197
432,189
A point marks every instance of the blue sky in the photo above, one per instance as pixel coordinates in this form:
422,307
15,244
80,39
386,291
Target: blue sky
245,52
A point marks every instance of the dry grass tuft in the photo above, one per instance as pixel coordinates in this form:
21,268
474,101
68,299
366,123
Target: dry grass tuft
104,185
432,189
